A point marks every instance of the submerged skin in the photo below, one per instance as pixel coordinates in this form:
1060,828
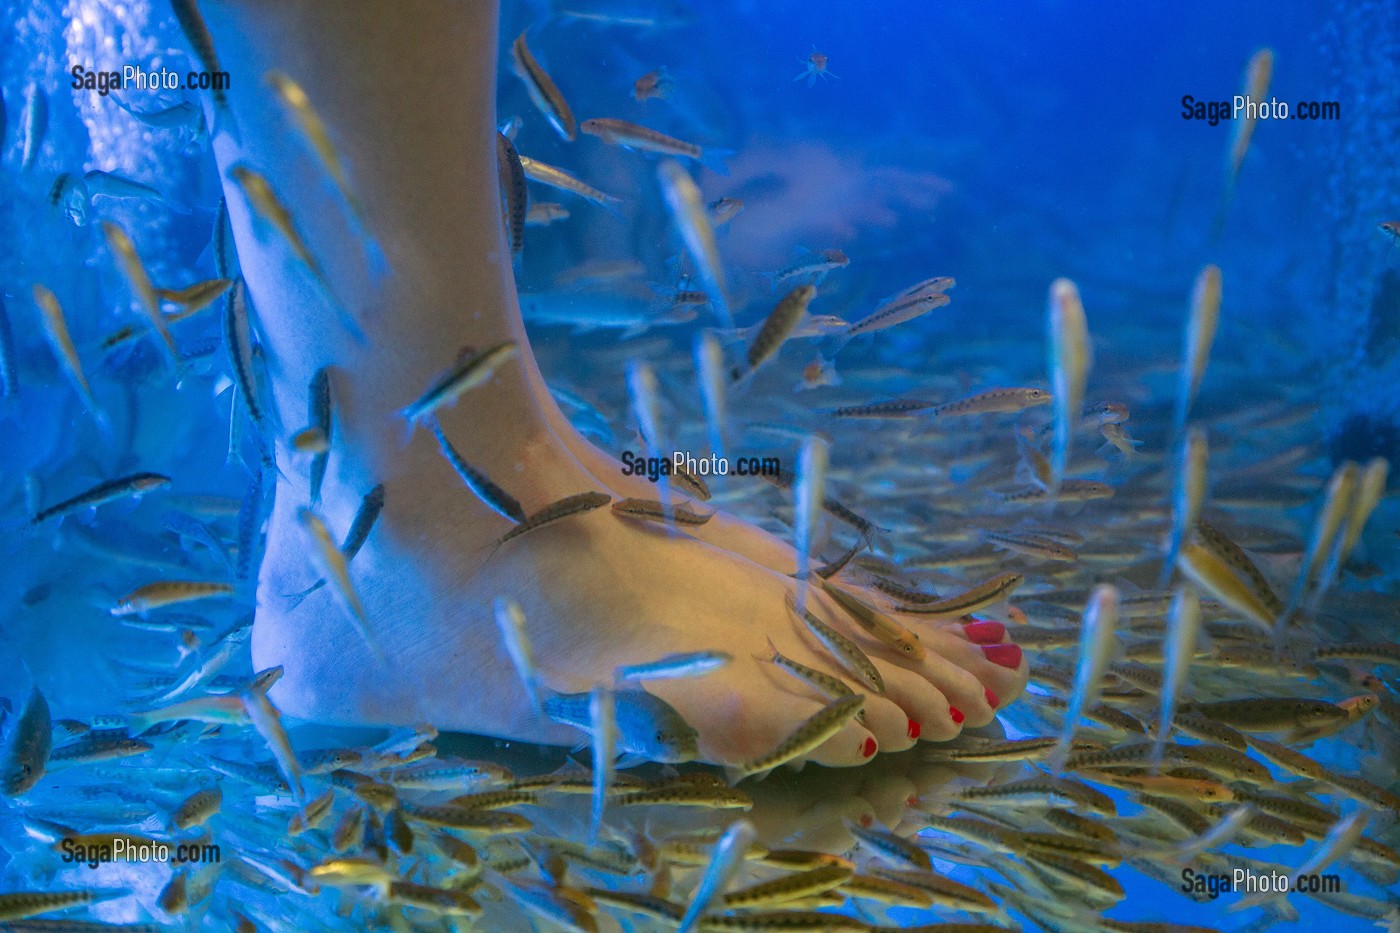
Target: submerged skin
409,100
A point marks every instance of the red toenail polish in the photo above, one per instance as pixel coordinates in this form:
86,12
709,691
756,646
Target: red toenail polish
914,729
957,714
992,700
1005,655
866,820
868,749
985,633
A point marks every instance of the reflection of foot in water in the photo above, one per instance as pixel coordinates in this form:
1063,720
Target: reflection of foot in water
409,102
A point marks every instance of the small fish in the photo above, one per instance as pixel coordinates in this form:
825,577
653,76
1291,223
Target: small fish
350,872
1069,364
194,298
602,716
653,84
319,416
544,93
310,440
267,720
846,652
723,210
298,104
993,401
183,115
120,188
1095,651
1116,437
510,619
471,371
690,664
814,68
777,327
196,809
692,221
654,510
789,888
807,507
815,265
36,123
202,43
544,213
1200,334
164,593
26,748
986,593
499,501
56,329
514,192
1188,495
890,408
709,367
267,205
688,794
1336,505
1183,627
135,271
810,734
896,311
1034,460
17,905
833,688
725,861
893,848
1256,86
558,178
334,567
238,340
641,138
930,286
646,725
1030,544
1270,714
217,709
134,485
563,508
1369,491
877,624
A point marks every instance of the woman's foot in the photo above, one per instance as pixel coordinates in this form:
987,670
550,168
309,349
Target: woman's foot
409,102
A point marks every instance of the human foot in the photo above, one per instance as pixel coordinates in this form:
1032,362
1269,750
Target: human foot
598,590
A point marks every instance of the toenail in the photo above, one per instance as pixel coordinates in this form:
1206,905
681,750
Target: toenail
992,700
985,633
866,820
1005,655
957,714
914,729
868,748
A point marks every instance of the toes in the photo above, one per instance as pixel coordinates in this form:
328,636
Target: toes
928,710
946,666
889,723
889,796
853,745
1000,667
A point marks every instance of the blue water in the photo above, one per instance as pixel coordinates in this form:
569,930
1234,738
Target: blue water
1004,144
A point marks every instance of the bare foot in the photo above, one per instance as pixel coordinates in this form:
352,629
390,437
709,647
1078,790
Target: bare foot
409,101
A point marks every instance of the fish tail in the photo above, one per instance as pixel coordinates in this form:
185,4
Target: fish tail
224,121
716,160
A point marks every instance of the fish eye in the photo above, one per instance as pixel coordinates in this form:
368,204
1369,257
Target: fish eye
907,648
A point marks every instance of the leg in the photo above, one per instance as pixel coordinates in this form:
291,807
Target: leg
409,99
